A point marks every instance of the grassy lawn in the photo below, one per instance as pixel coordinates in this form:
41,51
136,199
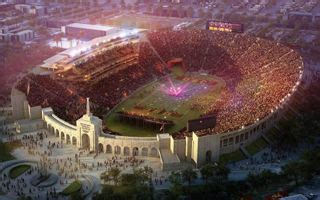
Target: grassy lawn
6,149
74,187
18,170
232,157
256,146
152,101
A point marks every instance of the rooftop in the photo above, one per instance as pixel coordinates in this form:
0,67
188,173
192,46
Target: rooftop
91,27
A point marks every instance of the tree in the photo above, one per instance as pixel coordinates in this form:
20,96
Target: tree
175,178
76,196
292,171
291,133
189,175
106,193
222,172
176,185
129,179
136,185
114,173
309,125
207,171
148,171
105,177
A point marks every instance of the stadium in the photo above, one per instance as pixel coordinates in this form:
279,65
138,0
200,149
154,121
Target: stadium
178,95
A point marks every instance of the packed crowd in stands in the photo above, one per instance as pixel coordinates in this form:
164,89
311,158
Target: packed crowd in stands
44,91
258,74
105,57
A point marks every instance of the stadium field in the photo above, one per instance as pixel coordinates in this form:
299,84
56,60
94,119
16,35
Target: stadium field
195,93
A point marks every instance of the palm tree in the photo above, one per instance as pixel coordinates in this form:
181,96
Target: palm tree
189,175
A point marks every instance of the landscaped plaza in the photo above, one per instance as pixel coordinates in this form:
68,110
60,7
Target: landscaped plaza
60,166
45,167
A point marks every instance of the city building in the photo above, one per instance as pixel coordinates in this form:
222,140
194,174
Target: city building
88,31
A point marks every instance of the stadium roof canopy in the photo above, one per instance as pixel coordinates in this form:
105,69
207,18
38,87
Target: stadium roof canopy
91,27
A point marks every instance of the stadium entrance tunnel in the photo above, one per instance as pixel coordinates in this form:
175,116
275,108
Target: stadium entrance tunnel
85,142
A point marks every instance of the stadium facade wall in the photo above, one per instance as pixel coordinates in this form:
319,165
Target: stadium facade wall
18,107
87,135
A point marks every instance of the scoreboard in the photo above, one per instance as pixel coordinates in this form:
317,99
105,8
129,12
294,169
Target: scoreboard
224,26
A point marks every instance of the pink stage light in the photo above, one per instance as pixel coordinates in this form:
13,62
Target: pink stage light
174,90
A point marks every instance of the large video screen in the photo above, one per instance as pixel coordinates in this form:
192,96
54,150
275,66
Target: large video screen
224,26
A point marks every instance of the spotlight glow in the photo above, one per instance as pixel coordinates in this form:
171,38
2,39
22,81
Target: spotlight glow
174,90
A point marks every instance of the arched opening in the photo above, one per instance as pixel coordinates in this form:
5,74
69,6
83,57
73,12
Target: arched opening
126,151
154,152
144,151
57,133
85,141
208,156
62,135
100,148
117,150
68,139
74,140
49,128
108,149
135,151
